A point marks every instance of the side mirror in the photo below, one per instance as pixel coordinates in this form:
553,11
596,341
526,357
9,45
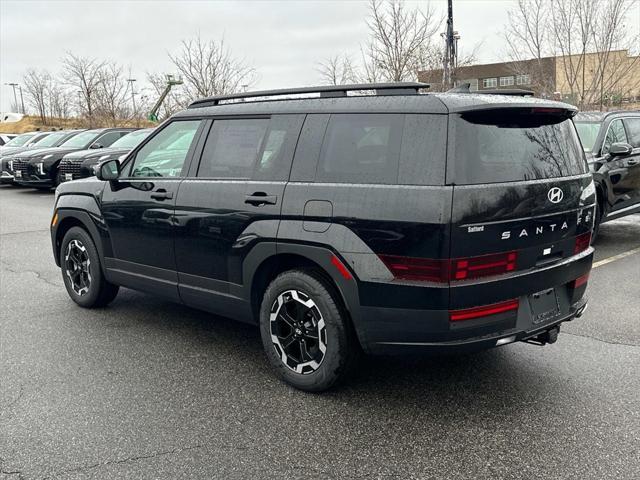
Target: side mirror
96,145
108,171
620,149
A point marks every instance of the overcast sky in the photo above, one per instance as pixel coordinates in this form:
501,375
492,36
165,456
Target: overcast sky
283,40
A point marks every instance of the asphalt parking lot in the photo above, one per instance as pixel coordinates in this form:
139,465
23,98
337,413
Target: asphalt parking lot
150,389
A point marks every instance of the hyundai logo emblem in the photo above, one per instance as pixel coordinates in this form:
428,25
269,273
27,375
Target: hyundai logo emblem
555,195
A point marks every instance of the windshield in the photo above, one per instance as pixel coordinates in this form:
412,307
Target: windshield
132,139
82,139
52,139
20,140
514,146
588,131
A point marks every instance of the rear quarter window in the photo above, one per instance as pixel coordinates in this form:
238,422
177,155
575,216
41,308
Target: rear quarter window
512,145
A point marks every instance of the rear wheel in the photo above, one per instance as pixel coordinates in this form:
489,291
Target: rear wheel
81,271
305,331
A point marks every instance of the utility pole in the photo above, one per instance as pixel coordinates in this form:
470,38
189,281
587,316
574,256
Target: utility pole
133,99
15,98
451,38
22,101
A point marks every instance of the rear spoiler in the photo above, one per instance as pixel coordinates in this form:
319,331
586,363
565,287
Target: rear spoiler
516,92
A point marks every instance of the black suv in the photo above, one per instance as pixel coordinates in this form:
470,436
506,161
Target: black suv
611,141
82,164
53,139
395,222
39,169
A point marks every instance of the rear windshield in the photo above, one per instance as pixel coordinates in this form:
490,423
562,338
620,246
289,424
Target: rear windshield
514,145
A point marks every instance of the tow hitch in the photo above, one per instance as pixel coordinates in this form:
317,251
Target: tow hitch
548,336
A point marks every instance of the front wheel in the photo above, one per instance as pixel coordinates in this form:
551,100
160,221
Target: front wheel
305,331
81,271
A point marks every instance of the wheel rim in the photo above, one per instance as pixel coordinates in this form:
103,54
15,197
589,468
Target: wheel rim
298,331
77,267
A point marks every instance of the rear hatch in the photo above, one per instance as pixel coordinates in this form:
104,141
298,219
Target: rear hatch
523,199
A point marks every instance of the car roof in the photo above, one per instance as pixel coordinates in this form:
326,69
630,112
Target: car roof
389,98
601,116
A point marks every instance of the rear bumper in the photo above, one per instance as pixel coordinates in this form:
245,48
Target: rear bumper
473,344
426,327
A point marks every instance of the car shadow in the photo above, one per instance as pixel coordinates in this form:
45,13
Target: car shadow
447,383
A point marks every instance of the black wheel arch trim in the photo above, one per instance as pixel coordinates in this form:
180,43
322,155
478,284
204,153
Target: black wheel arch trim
83,211
318,254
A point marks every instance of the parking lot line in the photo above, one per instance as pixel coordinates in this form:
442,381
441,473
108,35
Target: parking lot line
615,257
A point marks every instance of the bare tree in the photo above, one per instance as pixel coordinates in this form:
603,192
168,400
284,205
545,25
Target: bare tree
85,75
110,98
59,100
36,83
399,38
209,68
338,70
588,39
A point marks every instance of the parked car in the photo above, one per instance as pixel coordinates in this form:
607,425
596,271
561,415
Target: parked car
611,141
40,169
22,142
82,164
54,139
6,137
397,222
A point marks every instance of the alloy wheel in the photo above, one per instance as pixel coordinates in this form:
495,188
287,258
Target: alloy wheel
298,331
77,267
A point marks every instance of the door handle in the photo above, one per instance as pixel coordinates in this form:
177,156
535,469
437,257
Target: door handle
161,194
632,162
258,199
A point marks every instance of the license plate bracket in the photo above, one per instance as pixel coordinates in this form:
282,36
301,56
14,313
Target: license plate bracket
68,176
18,174
544,305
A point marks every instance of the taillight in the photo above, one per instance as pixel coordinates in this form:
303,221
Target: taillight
582,243
484,311
578,282
422,269
483,266
433,270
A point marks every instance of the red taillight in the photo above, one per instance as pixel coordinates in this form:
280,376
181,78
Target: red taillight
582,243
483,266
578,282
423,269
484,311
433,270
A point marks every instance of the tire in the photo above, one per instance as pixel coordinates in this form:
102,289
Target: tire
82,272
305,296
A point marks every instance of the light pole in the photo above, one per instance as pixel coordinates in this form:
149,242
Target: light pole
133,99
22,101
15,98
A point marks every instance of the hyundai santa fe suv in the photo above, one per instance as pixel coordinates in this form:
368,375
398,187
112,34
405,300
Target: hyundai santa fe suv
389,222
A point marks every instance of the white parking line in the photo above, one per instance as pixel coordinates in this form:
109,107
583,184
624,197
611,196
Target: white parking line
615,257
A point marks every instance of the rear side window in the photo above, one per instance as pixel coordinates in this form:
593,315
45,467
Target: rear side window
633,128
232,148
512,145
361,148
250,148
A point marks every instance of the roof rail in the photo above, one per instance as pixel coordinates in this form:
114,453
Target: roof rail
517,92
396,88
